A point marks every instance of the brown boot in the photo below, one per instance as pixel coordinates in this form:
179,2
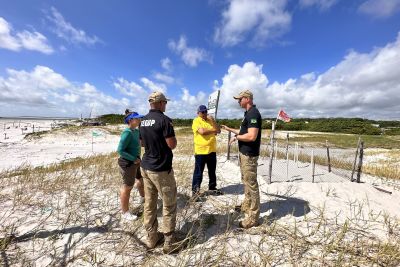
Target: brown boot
247,224
171,245
153,238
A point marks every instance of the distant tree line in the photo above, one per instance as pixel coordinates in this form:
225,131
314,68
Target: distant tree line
337,125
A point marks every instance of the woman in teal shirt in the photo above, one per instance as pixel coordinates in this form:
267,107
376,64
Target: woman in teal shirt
129,162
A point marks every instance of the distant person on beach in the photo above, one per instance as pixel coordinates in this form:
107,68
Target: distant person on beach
205,151
129,162
249,138
158,138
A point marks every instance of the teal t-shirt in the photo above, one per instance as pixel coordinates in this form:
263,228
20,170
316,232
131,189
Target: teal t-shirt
129,144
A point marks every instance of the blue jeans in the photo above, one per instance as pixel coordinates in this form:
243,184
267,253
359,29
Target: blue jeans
200,162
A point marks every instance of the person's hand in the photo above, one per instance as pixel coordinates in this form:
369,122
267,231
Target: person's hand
137,161
233,139
225,127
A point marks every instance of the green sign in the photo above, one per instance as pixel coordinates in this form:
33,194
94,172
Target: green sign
95,134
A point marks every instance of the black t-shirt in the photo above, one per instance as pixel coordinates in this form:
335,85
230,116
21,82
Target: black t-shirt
154,128
252,119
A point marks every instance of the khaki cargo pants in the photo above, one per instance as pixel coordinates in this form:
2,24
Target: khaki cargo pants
162,183
251,202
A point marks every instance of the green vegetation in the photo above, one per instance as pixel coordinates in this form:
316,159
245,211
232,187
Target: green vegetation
112,118
348,140
333,125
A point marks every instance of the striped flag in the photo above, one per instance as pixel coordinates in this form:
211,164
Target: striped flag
283,116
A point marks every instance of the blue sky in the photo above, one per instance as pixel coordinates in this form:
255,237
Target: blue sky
313,58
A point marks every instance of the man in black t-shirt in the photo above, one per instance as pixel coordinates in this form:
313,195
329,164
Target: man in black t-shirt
249,138
158,138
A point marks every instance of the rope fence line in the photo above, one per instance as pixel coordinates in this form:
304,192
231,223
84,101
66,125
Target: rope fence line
27,127
288,161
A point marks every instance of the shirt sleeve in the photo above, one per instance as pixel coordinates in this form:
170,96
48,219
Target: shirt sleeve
254,120
195,126
168,130
123,144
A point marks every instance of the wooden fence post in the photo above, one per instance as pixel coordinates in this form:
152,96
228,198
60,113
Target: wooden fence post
271,154
312,165
287,145
360,162
238,152
287,166
228,156
328,157
355,160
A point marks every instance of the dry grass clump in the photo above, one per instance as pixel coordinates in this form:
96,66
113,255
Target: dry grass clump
68,213
385,165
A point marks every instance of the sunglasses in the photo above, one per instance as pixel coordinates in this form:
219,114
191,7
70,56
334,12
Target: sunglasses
204,112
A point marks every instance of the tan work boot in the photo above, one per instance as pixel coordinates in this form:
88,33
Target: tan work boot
171,245
246,224
153,238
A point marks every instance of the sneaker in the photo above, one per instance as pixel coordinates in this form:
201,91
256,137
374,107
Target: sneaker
171,244
127,216
153,238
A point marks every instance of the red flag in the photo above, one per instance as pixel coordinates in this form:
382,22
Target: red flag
283,116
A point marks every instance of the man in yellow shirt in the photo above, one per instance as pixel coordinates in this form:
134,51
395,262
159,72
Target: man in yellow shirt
205,147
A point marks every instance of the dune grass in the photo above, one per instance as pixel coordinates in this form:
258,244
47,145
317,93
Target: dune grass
68,214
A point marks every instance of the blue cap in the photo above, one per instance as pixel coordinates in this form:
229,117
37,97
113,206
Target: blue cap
201,108
133,115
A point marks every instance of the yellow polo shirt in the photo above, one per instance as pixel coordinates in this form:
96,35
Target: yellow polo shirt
203,144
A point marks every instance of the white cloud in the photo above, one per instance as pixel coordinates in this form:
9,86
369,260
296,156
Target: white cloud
166,64
44,92
193,100
34,41
186,105
262,19
66,31
321,4
191,56
362,85
128,88
181,106
164,78
380,8
72,98
153,86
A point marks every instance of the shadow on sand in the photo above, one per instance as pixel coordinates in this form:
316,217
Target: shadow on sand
211,224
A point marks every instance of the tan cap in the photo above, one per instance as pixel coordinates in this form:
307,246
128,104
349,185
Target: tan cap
157,97
245,93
